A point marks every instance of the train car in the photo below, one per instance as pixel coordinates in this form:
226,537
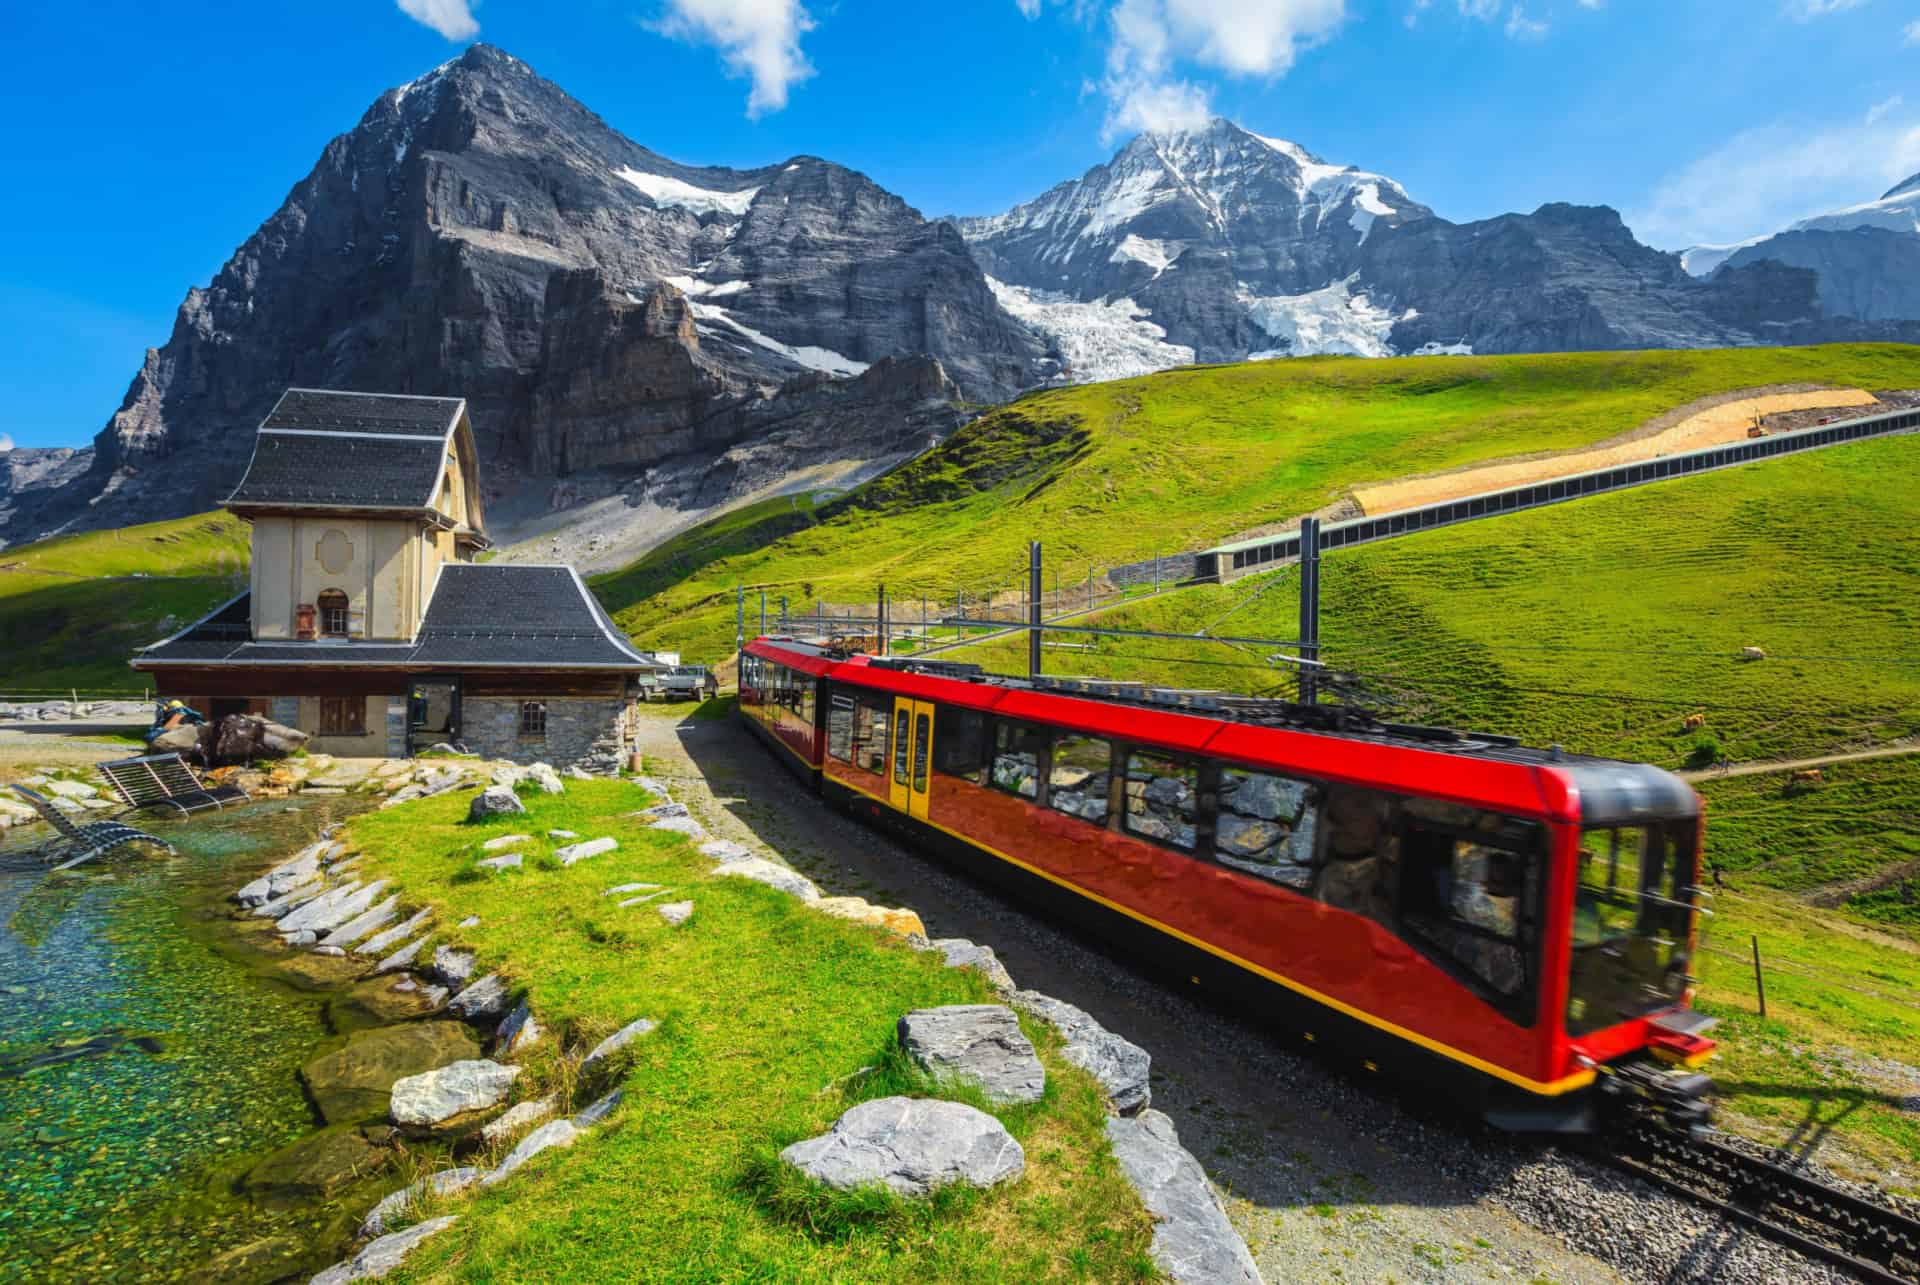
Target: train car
1517,923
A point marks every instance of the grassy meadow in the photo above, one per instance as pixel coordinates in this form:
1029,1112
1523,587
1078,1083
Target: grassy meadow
768,1013
74,608
1111,473
1602,623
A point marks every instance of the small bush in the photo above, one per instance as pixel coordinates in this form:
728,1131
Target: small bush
1705,752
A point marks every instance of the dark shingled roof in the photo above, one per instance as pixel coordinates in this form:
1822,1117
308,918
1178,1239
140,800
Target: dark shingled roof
350,450
320,409
481,616
356,472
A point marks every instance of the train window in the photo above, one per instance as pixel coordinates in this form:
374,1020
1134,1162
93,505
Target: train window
840,727
1161,799
871,716
1630,921
1017,748
900,721
1266,825
1467,898
1079,775
960,742
922,733
804,687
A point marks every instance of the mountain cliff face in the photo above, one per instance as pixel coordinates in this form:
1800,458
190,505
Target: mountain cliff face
480,233
1219,244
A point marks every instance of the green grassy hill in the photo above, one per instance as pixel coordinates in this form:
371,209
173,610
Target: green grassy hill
72,609
1602,623
1111,473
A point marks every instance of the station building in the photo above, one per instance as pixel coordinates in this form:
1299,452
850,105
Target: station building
369,625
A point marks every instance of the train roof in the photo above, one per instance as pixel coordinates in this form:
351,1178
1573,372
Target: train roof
1596,790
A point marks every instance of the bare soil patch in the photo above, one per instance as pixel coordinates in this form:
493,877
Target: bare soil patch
1707,421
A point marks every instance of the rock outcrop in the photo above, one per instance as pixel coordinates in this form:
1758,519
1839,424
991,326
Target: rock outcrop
913,1145
480,233
976,1044
1193,1242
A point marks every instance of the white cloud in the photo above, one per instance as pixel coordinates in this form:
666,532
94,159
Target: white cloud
1808,10
1763,179
6,443
1885,108
451,18
1028,8
1483,9
1239,37
1521,27
758,39
1911,32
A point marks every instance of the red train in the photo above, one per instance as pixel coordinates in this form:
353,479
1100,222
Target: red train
1520,921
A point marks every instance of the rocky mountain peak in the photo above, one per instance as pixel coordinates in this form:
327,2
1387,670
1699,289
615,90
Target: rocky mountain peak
481,233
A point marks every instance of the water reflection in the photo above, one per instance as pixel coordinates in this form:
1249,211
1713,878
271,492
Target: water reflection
138,1063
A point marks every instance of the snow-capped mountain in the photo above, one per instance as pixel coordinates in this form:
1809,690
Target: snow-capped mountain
1866,257
480,233
1206,244
1222,244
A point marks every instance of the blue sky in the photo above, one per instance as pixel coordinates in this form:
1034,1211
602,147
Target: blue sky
144,142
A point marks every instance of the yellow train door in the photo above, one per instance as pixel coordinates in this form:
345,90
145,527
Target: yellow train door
912,742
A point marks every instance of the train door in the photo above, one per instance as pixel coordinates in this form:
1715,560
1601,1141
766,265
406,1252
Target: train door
912,749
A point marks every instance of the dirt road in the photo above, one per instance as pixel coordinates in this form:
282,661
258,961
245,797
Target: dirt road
1764,766
1329,1176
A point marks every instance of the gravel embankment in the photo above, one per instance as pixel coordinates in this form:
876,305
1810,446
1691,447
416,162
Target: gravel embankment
1330,1175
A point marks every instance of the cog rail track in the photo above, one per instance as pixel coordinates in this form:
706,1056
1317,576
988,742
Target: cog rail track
1872,1241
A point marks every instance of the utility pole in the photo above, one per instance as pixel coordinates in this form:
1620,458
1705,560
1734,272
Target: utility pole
763,613
880,617
1033,609
1089,586
1309,609
784,627
739,618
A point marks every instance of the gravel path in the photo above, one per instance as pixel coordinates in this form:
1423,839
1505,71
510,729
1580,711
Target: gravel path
1329,1177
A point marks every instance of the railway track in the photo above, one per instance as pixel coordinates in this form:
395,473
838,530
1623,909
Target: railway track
1872,1241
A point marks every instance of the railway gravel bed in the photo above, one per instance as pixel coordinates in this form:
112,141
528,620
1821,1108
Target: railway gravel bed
1330,1175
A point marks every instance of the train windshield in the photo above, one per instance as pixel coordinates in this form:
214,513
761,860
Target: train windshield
1632,912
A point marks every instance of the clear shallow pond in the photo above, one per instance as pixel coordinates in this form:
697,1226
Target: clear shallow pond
115,1165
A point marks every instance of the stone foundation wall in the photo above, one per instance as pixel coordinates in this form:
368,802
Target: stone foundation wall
586,731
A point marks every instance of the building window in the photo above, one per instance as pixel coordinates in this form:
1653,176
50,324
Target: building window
343,716
333,614
533,719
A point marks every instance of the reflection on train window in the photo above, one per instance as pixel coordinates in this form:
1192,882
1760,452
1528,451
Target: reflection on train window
1359,851
1630,916
960,742
922,733
871,716
1266,826
1017,748
1078,777
840,727
900,748
1161,795
1469,903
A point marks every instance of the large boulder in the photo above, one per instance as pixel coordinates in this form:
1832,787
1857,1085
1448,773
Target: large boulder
243,738
495,801
912,1145
1192,1239
383,1255
314,1167
1121,1066
459,1089
543,775
353,1082
454,967
977,1044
